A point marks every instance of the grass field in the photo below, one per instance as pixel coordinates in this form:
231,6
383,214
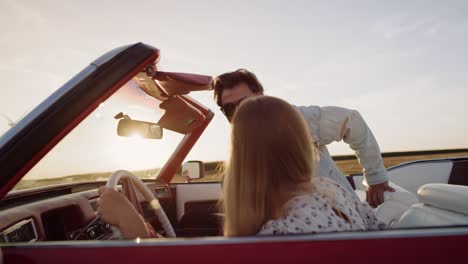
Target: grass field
347,164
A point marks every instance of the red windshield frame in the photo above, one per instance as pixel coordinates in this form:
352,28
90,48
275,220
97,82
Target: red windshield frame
174,162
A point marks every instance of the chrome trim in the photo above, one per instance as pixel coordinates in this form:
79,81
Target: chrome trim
19,225
206,241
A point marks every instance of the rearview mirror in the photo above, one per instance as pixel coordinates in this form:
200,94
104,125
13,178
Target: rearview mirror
131,128
193,170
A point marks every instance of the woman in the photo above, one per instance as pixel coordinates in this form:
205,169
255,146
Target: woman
270,187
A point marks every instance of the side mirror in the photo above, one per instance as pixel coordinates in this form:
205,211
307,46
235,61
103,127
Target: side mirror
130,127
193,170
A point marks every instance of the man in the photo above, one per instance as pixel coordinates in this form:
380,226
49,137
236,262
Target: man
327,124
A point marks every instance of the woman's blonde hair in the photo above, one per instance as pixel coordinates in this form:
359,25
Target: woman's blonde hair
271,155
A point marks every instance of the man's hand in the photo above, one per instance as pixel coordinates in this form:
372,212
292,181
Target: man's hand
375,193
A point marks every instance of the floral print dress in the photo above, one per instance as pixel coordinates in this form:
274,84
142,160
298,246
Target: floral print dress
330,208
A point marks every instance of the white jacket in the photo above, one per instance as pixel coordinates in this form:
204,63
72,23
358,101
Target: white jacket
328,124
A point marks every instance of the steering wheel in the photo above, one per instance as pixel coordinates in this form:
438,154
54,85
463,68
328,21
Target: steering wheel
130,182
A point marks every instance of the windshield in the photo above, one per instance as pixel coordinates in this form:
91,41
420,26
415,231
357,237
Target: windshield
93,150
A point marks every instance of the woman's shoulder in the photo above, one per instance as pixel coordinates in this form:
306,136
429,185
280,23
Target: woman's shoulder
306,213
325,182
334,191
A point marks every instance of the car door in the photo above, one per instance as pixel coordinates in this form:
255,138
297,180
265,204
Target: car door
418,246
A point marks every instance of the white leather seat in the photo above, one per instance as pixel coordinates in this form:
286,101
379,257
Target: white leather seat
394,205
441,205
421,215
445,196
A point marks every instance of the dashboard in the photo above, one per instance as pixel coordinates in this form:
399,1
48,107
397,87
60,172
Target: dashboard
69,216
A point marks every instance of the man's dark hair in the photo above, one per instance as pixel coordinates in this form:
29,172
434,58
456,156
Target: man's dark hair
231,79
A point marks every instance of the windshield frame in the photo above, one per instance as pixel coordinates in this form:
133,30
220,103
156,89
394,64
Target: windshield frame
174,162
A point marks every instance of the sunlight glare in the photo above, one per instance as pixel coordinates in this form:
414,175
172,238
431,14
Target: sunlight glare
136,136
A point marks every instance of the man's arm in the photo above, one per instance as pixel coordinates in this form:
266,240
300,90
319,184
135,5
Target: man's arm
336,124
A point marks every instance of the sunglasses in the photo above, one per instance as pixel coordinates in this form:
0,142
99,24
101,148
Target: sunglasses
230,108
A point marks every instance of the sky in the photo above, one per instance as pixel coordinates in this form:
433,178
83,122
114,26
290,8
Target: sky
402,64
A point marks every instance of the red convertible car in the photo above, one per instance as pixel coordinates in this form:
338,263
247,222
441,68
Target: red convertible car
124,123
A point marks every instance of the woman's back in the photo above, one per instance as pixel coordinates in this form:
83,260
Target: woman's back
270,163
330,208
